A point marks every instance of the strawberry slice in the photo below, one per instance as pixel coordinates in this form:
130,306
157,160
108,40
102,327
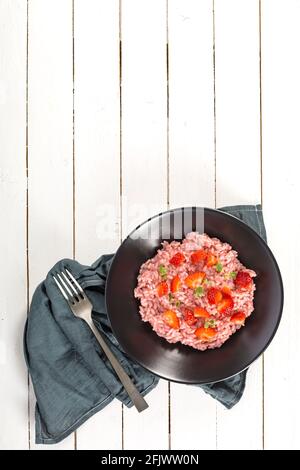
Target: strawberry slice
243,280
200,312
177,259
188,316
226,305
171,319
211,260
162,288
198,256
175,284
226,290
238,318
195,279
205,334
214,296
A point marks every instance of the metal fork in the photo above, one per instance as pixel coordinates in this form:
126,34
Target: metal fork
82,308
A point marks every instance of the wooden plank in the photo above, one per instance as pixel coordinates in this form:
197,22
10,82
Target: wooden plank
281,194
13,396
237,96
192,173
50,118
238,172
144,164
97,169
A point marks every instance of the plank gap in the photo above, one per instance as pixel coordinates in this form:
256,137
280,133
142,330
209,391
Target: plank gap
120,130
215,108
73,142
73,156
121,169
261,199
27,213
215,146
168,104
260,105
168,183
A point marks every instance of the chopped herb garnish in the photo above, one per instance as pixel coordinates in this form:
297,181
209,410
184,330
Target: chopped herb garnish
210,323
174,301
219,267
233,274
199,291
163,271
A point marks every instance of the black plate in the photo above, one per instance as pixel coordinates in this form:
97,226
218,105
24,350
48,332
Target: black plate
178,362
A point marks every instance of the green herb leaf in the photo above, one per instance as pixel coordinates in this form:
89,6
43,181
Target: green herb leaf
233,274
177,303
219,267
199,291
210,323
163,271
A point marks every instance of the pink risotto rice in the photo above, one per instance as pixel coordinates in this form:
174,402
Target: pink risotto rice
196,292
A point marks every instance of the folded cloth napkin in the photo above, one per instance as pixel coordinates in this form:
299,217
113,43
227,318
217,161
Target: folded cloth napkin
71,376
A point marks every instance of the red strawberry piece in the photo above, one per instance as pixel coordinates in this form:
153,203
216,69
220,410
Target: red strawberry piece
205,334
226,305
238,318
214,296
171,319
189,317
226,290
200,312
175,284
243,280
198,256
162,288
195,279
211,260
177,259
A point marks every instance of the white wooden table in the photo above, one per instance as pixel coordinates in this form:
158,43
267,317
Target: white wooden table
134,106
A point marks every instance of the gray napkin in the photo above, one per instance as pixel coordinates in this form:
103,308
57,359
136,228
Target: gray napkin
72,378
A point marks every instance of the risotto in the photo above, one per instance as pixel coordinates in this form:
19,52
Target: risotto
196,292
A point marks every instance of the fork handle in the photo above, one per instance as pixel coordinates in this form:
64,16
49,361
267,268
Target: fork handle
133,393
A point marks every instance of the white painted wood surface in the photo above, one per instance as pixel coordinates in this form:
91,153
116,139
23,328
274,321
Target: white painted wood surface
166,119
238,154
281,194
192,173
97,165
50,146
144,166
14,396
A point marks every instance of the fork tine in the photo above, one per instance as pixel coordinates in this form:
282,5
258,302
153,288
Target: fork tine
70,284
75,282
65,286
61,289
